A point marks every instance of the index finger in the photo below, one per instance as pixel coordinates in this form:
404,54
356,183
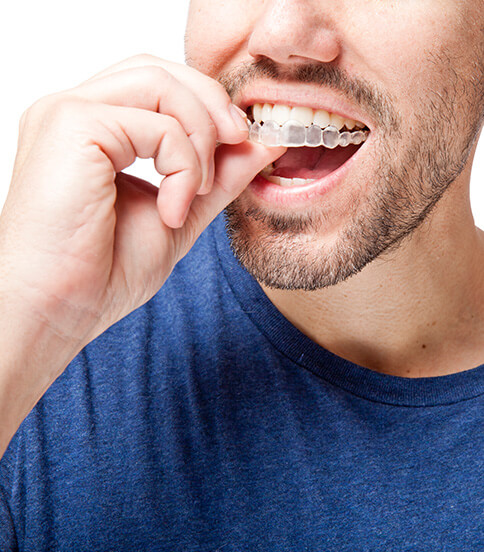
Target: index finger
210,93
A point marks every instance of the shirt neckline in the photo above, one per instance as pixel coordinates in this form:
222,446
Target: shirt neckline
300,349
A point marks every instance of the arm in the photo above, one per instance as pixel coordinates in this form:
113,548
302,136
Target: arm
81,243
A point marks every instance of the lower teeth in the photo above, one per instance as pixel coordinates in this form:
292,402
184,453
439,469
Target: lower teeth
288,182
282,181
293,134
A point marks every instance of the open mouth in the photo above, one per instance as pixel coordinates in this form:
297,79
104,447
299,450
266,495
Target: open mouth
318,142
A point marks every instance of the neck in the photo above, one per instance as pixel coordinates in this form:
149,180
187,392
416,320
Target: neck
415,312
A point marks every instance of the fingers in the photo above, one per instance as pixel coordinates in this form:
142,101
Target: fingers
124,133
155,89
212,94
236,167
112,137
149,107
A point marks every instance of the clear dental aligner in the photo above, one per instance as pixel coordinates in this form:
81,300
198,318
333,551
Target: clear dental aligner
294,134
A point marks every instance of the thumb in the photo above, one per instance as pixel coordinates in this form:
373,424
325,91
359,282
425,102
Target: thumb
236,167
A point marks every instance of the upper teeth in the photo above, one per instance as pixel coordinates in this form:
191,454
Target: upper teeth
305,115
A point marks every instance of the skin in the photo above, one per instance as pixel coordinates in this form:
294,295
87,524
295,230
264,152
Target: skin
82,244
387,270
392,256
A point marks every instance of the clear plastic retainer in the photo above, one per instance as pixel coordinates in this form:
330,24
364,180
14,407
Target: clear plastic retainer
293,134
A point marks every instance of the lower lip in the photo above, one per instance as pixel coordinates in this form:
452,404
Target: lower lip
296,196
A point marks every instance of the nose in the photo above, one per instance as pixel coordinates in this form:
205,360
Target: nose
294,32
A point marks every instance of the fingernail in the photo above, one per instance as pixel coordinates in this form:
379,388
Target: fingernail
239,117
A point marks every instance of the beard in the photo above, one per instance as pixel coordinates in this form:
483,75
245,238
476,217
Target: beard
304,251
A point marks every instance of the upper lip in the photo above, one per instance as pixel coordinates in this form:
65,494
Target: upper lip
315,97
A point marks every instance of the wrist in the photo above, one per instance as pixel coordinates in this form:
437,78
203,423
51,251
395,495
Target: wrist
34,354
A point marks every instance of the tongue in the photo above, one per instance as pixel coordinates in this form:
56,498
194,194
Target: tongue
312,163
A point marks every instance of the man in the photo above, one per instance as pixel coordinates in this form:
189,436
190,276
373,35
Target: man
322,388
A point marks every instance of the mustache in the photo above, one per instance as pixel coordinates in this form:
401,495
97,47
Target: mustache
366,95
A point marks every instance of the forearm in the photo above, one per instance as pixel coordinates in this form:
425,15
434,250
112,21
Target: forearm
32,356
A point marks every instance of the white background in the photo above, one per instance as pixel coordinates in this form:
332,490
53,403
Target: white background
52,45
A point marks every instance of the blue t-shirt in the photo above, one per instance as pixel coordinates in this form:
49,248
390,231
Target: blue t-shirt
204,421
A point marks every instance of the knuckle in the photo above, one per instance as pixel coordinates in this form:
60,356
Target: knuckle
211,133
196,172
145,59
38,107
50,106
64,108
155,75
173,127
36,112
192,170
205,137
56,113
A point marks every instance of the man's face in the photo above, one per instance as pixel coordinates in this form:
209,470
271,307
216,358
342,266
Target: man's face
413,69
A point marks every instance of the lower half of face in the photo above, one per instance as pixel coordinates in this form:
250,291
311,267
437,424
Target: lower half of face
350,204
319,234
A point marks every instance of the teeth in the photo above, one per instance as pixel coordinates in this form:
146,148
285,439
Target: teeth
281,125
294,134
270,134
288,182
281,114
314,136
330,137
254,132
257,112
281,181
305,115
337,121
266,114
345,139
322,118
350,124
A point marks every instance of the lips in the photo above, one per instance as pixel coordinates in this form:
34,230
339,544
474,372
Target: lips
304,195
310,96
286,186
326,134
312,154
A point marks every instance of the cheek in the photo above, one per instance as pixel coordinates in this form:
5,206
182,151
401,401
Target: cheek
216,34
405,47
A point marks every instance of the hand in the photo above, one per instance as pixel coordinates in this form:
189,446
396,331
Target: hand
83,244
